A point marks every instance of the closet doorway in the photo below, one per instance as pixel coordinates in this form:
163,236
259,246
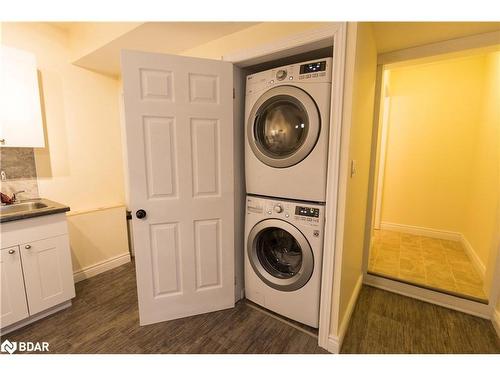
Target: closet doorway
435,215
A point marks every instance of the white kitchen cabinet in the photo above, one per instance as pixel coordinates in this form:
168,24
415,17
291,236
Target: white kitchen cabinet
48,275
21,116
36,269
13,305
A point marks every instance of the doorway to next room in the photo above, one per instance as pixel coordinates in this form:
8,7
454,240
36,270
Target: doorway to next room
437,186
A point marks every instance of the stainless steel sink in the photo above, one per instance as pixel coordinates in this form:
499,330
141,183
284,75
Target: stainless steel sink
22,207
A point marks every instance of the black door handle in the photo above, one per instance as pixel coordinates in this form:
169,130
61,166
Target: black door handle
140,214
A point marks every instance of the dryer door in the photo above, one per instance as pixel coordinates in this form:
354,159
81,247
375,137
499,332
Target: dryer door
283,126
280,255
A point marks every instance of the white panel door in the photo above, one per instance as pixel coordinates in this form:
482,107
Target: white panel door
13,306
48,273
179,139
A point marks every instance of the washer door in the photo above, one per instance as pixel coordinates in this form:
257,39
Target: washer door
283,126
280,255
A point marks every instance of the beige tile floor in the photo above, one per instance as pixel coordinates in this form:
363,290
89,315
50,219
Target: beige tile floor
433,262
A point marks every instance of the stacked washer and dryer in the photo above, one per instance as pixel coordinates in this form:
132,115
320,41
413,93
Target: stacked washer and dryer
287,113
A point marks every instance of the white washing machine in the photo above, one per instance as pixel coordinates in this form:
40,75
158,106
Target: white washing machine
287,111
284,249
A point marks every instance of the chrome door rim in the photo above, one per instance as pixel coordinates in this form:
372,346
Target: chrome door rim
303,275
313,133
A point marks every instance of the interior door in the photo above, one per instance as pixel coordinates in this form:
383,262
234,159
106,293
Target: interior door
179,139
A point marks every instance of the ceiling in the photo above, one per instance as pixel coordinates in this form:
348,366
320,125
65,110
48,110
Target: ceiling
392,36
160,37
176,37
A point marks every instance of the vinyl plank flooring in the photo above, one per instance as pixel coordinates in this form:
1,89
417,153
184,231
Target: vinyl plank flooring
384,322
104,318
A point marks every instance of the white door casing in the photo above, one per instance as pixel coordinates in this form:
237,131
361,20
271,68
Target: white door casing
13,306
179,149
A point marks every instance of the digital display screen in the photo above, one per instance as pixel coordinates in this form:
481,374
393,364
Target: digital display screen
307,211
313,67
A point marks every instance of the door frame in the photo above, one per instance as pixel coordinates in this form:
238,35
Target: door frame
334,35
486,42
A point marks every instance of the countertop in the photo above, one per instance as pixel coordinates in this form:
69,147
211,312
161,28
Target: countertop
51,209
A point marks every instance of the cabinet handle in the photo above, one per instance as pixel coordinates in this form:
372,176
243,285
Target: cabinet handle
12,251
27,247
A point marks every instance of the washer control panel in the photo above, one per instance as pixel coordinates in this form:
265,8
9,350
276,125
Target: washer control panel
319,70
301,213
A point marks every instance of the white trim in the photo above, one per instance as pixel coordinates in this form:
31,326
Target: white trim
440,48
451,302
288,46
330,279
422,231
100,267
476,261
384,132
335,341
333,344
496,321
35,317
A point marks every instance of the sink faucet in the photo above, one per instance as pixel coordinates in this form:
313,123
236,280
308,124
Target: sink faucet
14,196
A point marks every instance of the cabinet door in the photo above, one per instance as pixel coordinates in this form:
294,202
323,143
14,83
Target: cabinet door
13,307
48,273
21,117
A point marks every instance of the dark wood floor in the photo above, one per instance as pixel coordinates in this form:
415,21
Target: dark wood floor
104,319
384,322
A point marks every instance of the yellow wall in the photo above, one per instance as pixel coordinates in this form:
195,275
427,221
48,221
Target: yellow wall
435,108
482,226
81,166
358,108
442,163
97,236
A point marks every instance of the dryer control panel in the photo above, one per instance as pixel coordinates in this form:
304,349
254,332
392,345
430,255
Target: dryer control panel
319,70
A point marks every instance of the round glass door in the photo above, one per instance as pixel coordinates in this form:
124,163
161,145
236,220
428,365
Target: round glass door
283,126
280,255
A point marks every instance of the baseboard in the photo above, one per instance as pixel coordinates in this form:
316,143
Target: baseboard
476,262
422,231
441,234
496,321
101,267
335,342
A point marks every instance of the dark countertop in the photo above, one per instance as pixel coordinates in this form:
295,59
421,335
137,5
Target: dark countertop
51,209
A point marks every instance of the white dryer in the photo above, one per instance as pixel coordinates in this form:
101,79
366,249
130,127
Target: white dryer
284,248
287,111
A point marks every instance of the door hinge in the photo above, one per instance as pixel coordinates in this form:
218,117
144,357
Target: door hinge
234,93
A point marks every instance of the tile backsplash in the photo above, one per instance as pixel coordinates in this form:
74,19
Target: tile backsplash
18,164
